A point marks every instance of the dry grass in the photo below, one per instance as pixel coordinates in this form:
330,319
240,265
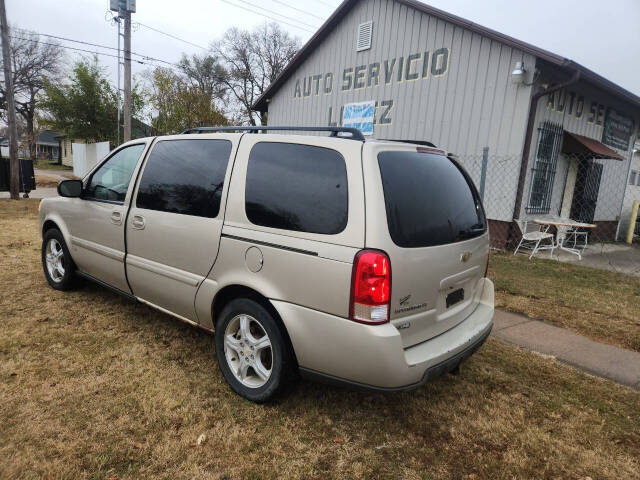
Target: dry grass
46,165
600,304
94,387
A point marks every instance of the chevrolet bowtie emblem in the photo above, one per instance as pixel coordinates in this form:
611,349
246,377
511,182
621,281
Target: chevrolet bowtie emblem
465,256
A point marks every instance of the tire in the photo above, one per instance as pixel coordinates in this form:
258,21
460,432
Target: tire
59,272
241,351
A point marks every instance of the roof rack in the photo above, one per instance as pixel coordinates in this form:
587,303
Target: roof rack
354,133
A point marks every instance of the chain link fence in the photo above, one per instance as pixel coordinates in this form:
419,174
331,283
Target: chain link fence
580,203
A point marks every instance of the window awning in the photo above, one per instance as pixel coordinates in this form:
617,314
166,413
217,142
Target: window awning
580,145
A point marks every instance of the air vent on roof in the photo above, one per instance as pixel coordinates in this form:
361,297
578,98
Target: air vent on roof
365,32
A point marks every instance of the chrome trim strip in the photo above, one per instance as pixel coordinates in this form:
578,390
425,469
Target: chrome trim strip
267,244
164,270
179,317
97,248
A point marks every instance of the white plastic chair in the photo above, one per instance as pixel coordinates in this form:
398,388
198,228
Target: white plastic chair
574,234
533,236
563,233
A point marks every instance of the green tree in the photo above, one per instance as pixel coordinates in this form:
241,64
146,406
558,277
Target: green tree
86,105
181,101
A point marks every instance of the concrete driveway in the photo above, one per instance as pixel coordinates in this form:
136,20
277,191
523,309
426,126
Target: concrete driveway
618,257
45,192
37,193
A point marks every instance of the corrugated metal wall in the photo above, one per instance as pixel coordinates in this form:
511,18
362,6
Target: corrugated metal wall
473,105
632,194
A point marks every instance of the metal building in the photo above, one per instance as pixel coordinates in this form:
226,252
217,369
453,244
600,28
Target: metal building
547,135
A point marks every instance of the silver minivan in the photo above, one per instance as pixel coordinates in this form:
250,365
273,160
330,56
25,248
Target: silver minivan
345,260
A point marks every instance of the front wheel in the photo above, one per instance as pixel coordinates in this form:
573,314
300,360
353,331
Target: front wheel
56,260
252,352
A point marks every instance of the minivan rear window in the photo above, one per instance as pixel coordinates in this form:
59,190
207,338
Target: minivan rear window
429,200
297,187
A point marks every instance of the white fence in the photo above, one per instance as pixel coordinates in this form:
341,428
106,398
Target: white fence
87,155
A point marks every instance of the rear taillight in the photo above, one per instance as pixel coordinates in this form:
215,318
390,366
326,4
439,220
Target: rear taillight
370,287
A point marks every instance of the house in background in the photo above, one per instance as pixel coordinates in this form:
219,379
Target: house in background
66,149
47,146
138,130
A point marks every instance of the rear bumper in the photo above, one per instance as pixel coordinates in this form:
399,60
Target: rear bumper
432,372
338,350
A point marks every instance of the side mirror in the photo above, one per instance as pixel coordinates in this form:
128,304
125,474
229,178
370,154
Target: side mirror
70,188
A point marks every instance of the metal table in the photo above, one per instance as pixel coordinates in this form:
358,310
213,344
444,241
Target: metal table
562,225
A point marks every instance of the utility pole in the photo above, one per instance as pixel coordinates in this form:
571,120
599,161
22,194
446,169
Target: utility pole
14,165
124,9
117,19
127,75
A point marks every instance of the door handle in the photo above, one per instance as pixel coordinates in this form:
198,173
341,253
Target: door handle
116,217
137,222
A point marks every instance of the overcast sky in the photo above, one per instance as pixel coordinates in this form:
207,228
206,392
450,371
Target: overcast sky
603,35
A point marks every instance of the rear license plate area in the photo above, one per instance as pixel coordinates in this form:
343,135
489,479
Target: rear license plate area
455,297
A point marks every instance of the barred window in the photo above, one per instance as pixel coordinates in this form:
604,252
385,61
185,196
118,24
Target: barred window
544,169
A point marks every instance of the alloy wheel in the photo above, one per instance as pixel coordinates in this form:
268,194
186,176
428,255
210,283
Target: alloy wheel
55,260
247,349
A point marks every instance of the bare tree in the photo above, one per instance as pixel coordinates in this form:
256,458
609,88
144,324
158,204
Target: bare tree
205,73
33,62
253,60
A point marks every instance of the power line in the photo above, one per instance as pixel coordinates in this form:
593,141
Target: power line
327,4
146,57
267,16
65,39
63,46
276,13
148,61
171,36
299,9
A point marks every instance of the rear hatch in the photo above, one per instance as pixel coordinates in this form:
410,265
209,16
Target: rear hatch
425,213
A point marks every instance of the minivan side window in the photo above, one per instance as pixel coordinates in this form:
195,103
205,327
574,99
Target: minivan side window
111,180
429,200
297,187
185,176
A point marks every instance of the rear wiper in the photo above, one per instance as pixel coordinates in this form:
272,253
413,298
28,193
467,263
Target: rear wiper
471,232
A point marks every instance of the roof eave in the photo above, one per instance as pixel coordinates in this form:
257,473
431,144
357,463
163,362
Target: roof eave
262,103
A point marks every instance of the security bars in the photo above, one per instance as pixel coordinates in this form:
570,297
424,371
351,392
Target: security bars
544,169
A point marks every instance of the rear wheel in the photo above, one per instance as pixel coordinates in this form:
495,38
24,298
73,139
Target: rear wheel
252,351
56,260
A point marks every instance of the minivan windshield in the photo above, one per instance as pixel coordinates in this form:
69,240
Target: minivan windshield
429,200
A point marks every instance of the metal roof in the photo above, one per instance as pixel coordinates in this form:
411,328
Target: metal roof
562,62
